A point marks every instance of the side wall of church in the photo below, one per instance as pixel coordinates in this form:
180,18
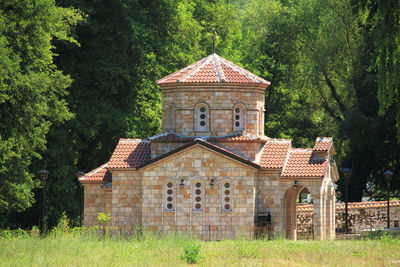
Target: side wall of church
269,199
127,199
178,109
208,220
95,200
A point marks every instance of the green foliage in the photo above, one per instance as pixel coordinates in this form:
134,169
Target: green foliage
6,234
191,253
103,218
62,227
124,48
383,20
168,252
32,91
377,234
319,57
13,234
71,84
304,48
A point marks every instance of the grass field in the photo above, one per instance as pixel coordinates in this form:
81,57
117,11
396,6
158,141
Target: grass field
70,250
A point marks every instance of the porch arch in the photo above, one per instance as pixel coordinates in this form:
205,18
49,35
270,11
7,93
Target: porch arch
290,198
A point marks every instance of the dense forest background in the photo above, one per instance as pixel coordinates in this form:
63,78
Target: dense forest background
76,75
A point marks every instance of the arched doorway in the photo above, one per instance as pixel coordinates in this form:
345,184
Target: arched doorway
304,218
294,195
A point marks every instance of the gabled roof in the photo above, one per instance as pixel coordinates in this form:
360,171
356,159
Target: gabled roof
100,174
213,69
304,163
211,146
130,153
274,153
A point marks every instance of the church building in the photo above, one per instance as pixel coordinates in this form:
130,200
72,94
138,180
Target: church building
212,171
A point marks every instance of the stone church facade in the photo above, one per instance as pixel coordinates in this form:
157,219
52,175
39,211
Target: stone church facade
212,171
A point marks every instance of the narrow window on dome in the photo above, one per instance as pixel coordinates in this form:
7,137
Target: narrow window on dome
197,196
239,117
201,121
170,123
226,195
169,196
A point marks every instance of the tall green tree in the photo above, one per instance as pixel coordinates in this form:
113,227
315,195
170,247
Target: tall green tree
32,92
383,20
125,46
306,49
113,94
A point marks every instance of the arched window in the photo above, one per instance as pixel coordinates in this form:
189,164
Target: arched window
202,118
169,196
197,195
239,117
226,195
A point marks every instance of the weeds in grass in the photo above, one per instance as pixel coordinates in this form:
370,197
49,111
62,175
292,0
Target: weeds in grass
357,252
246,249
13,234
35,231
62,227
191,253
81,246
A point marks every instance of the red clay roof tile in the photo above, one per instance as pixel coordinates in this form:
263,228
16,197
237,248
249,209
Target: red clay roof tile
174,137
237,138
204,143
323,144
353,205
213,69
303,163
129,153
274,153
100,174
171,138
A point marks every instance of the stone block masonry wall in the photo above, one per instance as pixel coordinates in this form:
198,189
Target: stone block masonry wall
367,215
160,148
362,216
127,200
269,199
247,149
95,200
220,100
198,164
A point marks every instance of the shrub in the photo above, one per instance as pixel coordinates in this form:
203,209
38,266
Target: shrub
378,234
191,253
12,234
21,233
102,219
62,227
6,234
